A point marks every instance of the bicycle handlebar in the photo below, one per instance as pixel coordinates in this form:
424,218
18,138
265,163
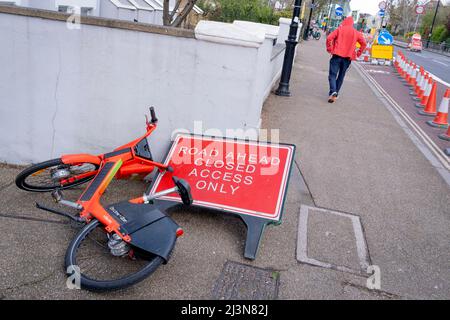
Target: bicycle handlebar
153,115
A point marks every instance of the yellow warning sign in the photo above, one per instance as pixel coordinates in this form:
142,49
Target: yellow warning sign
382,52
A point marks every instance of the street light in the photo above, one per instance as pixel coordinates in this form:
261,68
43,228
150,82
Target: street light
329,16
305,35
291,44
432,24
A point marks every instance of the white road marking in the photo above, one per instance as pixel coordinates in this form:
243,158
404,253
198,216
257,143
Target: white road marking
378,71
429,149
444,64
436,78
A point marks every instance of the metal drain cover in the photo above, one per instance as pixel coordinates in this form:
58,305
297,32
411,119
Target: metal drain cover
242,282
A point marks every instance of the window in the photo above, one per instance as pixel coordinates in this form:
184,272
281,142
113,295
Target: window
85,11
64,9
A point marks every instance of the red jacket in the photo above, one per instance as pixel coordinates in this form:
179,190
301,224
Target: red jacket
342,41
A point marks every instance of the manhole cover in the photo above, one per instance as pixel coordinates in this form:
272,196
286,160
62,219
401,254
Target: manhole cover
241,282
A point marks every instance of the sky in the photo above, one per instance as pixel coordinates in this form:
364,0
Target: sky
365,6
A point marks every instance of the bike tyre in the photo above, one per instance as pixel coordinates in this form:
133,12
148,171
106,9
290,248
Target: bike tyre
108,285
22,184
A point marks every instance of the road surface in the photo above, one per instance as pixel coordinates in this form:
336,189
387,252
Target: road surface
437,64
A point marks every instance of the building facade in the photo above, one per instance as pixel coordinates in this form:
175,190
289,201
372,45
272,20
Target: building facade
145,11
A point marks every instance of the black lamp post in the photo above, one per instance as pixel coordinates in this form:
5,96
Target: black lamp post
329,16
305,34
291,43
432,24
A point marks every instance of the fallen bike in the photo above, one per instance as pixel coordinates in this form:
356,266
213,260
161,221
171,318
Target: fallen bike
119,245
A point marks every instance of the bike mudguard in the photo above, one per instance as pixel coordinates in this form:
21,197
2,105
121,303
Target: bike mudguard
150,229
80,158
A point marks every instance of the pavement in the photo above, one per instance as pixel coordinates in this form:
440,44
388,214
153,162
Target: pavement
361,196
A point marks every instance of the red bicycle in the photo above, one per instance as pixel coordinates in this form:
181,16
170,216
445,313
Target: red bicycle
120,244
76,169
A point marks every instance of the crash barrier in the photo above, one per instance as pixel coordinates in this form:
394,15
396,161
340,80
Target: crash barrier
377,55
382,54
424,91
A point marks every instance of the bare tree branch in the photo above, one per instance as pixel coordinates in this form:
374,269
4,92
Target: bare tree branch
184,13
177,6
166,15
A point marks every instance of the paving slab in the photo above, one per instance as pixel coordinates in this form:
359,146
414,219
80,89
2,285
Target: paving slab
330,240
355,158
8,175
242,282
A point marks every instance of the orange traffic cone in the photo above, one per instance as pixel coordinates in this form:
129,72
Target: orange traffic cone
407,73
404,68
426,94
415,90
418,93
413,78
441,120
430,108
422,87
445,136
400,66
420,76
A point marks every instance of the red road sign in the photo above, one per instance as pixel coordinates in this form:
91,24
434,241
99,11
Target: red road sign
243,177
420,9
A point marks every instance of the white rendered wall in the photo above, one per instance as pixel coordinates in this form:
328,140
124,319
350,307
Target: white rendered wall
87,90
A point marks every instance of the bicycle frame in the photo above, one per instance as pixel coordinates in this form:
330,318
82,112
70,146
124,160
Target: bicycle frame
91,208
133,163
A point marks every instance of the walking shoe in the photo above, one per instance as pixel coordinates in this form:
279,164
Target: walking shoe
333,97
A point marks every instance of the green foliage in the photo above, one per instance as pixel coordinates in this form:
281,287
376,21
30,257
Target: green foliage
408,35
439,34
249,10
448,24
441,31
284,14
207,6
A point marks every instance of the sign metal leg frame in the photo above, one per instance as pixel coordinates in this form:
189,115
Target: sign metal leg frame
255,226
255,231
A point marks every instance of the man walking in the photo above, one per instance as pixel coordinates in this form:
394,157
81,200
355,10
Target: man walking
341,44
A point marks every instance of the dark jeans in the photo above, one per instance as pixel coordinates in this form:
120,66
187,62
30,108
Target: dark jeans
338,68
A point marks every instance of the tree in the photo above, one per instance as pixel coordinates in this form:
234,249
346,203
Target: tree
176,16
231,10
442,24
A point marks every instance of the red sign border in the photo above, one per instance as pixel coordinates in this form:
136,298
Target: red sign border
283,191
422,8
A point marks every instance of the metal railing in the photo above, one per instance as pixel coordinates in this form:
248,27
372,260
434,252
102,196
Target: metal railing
442,48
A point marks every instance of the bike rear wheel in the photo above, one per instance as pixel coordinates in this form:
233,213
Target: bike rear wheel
38,177
98,270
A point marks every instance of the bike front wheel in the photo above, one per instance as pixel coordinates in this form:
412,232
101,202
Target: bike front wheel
54,174
89,258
